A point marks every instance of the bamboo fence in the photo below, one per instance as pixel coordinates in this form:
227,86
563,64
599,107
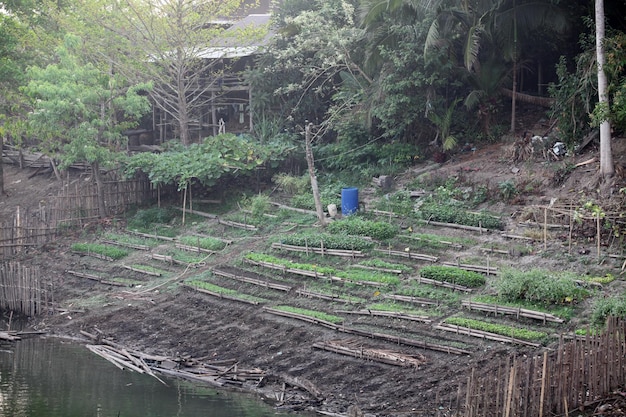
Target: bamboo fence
74,206
574,375
21,290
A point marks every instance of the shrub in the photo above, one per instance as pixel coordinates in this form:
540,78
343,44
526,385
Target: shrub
291,184
605,307
453,275
539,286
354,225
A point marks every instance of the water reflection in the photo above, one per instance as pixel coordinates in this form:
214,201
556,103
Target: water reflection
48,377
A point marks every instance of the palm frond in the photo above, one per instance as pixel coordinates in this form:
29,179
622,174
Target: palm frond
472,46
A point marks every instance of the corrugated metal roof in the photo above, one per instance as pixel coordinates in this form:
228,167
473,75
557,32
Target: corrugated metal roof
245,37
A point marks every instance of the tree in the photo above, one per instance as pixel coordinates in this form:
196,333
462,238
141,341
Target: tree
80,111
606,156
178,45
310,60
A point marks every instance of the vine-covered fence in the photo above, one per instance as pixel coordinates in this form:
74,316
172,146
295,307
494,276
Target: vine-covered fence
575,374
74,206
22,290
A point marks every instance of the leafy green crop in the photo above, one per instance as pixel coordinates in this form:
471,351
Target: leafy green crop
447,213
524,334
354,225
100,249
377,263
329,241
208,243
453,275
548,287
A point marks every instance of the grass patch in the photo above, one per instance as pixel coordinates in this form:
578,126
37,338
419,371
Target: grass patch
439,211
501,329
100,249
155,220
320,315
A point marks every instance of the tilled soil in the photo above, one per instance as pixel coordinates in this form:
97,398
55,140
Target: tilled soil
162,317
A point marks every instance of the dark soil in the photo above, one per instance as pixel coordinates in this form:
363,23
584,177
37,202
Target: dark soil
165,318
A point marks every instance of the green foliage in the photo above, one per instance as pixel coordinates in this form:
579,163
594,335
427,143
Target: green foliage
605,307
369,276
208,243
291,184
451,214
80,111
258,205
261,257
541,286
377,263
205,162
146,220
399,202
507,190
355,225
501,329
396,307
320,315
453,275
100,249
329,241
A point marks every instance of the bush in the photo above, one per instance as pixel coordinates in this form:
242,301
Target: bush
453,275
541,286
354,225
605,307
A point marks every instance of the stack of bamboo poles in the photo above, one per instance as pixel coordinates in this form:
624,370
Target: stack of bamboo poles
21,289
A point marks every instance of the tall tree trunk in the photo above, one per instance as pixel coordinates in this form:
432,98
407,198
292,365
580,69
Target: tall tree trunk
514,96
606,156
1,168
102,209
311,163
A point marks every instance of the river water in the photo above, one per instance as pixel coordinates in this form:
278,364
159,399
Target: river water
54,378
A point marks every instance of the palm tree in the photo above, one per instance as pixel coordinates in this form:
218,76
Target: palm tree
487,30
